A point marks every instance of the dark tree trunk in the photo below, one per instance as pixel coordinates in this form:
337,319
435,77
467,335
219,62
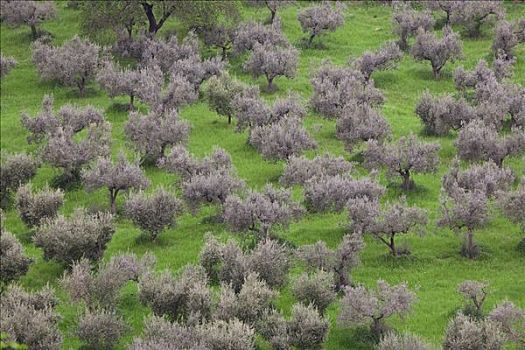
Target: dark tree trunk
436,70
392,245
152,22
270,87
408,184
223,53
229,119
272,16
377,328
81,86
131,102
310,39
471,250
34,32
113,200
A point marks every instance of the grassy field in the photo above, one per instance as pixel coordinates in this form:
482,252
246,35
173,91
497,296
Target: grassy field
435,267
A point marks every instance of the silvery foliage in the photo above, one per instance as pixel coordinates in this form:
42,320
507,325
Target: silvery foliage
100,329
486,177
511,320
367,217
100,288
30,318
463,209
221,92
165,52
210,180
306,329
251,111
47,122
196,70
249,34
282,139
408,155
407,21
340,261
512,203
6,65
151,134
74,63
316,288
15,170
465,333
13,261
505,39
248,305
331,193
272,6
474,293
362,306
386,57
35,207
64,150
319,19
227,335
438,51
226,263
272,61
478,141
30,13
405,341
82,235
361,123
441,113
185,298
219,36
299,170
335,87
118,176
153,213
260,212
472,14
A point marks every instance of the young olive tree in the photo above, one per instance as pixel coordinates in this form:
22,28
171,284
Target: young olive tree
151,134
464,332
511,320
34,208
270,260
153,213
440,114
13,261
466,210
512,203
6,65
220,93
316,289
407,156
165,52
100,329
438,51
272,5
30,13
83,235
362,306
281,140
249,34
73,64
505,39
317,20
30,318
336,87
407,21
366,217
472,14
272,61
119,176
386,57
339,261
47,122
361,123
478,141
405,341
259,212
474,293
15,171
64,150
299,170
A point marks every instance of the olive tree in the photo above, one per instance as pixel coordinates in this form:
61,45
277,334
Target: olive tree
66,240
100,329
299,170
151,134
474,293
464,332
362,306
505,39
511,320
30,13
220,93
249,34
386,57
438,51
408,155
407,21
14,263
316,288
35,207
259,212
6,65
272,5
15,170
272,61
74,63
119,176
472,14
511,203
153,213
366,217
319,19
406,341
281,140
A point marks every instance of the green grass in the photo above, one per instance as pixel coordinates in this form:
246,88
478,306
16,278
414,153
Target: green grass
434,269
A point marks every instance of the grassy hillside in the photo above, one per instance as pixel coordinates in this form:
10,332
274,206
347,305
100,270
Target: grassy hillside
434,269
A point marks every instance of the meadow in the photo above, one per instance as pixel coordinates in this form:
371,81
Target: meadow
433,270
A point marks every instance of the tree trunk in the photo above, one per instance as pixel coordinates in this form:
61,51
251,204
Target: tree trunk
310,39
270,87
34,33
81,86
377,328
436,71
229,119
152,22
392,245
131,102
113,200
407,182
470,246
223,53
272,16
